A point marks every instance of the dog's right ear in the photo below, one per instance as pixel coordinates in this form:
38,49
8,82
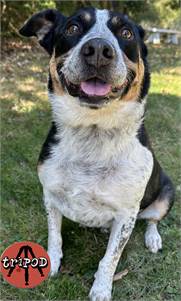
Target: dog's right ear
42,25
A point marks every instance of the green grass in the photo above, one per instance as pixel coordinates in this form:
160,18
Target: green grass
25,121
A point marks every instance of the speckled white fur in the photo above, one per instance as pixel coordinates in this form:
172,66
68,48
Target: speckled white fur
153,239
54,238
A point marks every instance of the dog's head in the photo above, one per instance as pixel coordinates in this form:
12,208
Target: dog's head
97,56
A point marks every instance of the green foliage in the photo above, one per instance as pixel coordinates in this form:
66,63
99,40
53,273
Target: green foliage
169,13
164,13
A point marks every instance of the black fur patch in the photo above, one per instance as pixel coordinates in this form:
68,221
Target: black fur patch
38,21
129,47
154,185
159,185
50,84
146,80
50,140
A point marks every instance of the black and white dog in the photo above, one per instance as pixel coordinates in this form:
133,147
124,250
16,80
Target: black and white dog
96,166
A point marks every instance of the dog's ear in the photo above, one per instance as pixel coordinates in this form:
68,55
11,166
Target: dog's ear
42,25
141,32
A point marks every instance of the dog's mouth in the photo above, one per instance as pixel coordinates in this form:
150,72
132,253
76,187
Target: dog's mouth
95,92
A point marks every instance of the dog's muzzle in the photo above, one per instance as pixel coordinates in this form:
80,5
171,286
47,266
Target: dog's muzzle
95,84
97,53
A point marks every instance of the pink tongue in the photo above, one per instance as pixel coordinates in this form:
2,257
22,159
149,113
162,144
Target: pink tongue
95,87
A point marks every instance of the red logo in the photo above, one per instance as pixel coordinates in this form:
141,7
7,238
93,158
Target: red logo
25,264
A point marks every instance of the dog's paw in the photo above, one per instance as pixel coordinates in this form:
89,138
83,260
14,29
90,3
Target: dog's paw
100,292
55,263
153,240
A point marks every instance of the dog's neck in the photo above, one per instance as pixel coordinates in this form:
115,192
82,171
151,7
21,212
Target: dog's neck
97,134
123,115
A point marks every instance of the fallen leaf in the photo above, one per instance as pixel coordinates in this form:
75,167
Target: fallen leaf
120,275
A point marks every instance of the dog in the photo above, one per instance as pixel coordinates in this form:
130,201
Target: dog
97,166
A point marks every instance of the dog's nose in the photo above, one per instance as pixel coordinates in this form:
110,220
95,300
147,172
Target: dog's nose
98,52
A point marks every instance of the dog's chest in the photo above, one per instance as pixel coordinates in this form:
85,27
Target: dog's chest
91,187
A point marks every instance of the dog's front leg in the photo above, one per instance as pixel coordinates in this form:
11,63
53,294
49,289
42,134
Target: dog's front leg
120,232
54,233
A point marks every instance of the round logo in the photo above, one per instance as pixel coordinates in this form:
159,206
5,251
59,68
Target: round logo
25,264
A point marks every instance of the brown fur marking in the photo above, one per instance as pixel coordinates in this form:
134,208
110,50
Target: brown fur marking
54,75
156,211
162,207
138,68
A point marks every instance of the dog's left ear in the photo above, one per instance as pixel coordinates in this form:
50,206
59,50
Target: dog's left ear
141,32
42,25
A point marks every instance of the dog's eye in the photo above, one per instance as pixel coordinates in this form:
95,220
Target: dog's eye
72,30
126,34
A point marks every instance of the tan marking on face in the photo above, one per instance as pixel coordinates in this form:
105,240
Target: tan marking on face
54,75
135,88
86,16
115,20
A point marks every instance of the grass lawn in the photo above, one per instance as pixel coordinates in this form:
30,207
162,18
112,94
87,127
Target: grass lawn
26,117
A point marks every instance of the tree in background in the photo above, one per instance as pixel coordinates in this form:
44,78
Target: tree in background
160,13
169,13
